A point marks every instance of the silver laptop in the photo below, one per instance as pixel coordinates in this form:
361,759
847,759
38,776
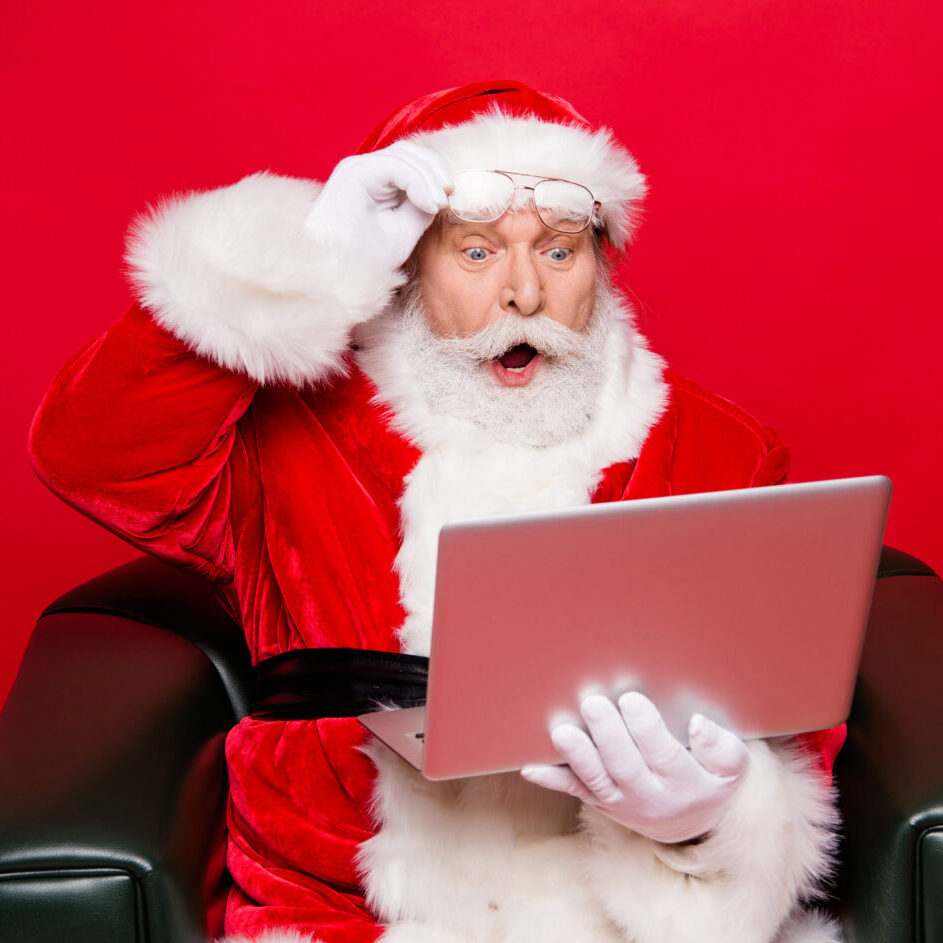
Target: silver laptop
748,606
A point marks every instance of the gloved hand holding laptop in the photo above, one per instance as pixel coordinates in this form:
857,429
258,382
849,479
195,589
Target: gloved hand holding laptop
631,768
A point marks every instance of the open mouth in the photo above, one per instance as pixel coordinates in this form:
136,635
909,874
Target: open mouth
516,366
517,357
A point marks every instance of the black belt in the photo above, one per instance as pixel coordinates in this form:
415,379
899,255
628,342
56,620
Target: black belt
336,682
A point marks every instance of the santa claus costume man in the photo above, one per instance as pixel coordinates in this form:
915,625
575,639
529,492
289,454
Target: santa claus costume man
315,380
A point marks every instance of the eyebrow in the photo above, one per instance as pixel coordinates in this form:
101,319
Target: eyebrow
464,225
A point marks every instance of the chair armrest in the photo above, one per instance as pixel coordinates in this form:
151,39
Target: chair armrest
890,774
113,782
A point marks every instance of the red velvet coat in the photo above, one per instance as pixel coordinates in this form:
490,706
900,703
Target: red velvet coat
286,500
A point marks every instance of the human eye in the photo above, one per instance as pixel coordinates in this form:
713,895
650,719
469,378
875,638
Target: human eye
559,254
475,254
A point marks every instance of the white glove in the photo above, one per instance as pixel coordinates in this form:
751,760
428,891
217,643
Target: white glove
379,204
632,769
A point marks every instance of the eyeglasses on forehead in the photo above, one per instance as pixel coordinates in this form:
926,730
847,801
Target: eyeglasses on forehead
483,196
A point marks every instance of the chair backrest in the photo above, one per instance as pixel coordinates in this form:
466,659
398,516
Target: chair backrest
155,593
890,773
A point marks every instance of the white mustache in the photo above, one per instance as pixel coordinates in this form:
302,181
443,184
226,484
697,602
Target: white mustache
548,337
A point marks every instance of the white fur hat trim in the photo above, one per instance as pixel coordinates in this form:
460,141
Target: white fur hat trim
498,141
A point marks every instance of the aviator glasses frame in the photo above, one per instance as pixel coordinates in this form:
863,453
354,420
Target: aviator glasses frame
590,217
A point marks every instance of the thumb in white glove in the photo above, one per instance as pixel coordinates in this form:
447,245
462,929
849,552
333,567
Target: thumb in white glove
379,204
631,768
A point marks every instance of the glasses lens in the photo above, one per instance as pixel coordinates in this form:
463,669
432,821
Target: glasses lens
563,206
480,196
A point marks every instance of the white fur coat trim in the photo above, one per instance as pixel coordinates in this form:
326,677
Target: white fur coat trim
492,859
497,141
809,927
801,928
497,860
275,935
772,850
234,274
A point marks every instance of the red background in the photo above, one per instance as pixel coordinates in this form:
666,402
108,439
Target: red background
789,256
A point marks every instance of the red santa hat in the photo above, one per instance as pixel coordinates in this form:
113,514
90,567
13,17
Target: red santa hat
508,126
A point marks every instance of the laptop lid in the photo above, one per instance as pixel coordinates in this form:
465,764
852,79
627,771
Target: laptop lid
749,606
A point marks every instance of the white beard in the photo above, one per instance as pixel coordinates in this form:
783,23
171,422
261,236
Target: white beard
598,391
558,403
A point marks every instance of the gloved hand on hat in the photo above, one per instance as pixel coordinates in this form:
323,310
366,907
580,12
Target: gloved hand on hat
630,767
381,203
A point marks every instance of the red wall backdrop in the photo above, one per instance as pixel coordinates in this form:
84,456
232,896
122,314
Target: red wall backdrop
789,257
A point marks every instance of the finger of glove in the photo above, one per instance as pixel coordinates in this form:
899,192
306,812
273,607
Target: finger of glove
718,750
661,752
430,161
401,173
559,779
579,751
433,170
383,178
428,197
618,751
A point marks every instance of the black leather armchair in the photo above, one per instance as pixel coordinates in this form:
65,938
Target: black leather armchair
112,775
890,774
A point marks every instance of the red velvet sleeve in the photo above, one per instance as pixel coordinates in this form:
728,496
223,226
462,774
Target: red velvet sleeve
136,432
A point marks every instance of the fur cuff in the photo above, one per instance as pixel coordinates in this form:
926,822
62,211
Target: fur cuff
236,277
771,850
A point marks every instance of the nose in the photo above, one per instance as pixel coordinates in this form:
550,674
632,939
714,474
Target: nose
523,289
